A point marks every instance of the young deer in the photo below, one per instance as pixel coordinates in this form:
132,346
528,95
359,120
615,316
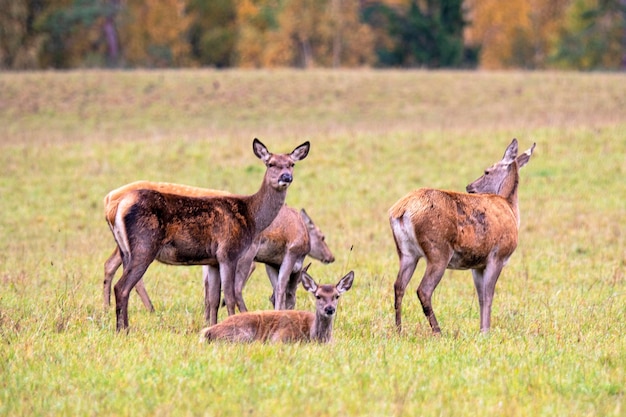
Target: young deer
289,238
183,230
286,325
476,231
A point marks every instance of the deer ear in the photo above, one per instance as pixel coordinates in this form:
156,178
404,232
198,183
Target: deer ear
345,283
308,282
525,157
260,150
300,152
511,153
305,217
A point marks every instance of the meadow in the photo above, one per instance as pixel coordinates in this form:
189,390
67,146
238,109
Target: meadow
558,340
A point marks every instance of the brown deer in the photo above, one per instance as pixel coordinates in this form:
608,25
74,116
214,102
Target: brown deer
182,230
111,202
291,236
476,231
286,325
282,247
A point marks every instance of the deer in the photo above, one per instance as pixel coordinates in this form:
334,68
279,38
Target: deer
282,247
291,236
183,230
286,325
477,230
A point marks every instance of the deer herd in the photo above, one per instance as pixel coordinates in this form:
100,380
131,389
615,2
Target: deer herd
227,233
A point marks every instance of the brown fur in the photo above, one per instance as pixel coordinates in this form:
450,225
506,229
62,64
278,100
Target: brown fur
290,237
454,230
285,325
184,230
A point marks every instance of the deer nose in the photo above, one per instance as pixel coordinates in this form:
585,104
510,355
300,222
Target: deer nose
330,310
285,178
328,260
470,189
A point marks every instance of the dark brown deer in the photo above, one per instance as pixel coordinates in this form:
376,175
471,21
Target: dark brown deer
183,230
476,231
291,236
286,325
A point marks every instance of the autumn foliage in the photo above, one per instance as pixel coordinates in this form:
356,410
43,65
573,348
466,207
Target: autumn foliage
490,34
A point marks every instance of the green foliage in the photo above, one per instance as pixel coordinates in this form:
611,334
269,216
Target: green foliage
557,344
594,36
213,32
427,38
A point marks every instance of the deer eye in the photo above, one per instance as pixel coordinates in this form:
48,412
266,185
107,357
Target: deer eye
319,297
337,297
486,172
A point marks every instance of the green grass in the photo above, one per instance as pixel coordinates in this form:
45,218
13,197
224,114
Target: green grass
557,345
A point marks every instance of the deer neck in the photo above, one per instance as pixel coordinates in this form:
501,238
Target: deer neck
322,328
509,191
265,205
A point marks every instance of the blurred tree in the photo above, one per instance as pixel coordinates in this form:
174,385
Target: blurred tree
154,33
418,33
515,33
20,42
302,33
81,33
594,36
213,31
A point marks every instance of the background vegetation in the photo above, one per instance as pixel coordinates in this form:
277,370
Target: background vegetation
557,346
531,34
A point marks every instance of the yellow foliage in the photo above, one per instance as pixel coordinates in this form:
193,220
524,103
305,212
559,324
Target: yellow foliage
154,32
514,32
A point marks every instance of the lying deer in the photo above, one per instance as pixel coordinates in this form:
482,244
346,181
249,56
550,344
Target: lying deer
286,325
476,231
284,244
182,230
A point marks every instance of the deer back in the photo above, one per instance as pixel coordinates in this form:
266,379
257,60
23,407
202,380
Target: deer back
263,326
185,230
470,226
286,233
112,199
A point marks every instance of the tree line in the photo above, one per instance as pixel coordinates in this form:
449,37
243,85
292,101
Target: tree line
528,34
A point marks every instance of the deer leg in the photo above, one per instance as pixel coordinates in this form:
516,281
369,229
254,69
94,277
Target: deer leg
132,274
290,293
212,293
432,276
408,263
143,294
111,266
245,266
283,277
272,274
227,274
485,283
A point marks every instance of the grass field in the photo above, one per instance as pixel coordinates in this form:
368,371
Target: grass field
558,339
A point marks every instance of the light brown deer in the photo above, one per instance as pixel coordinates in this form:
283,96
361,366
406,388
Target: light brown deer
286,325
183,230
282,247
476,231
289,238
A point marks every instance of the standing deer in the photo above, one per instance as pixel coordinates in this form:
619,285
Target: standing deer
282,247
291,236
286,325
182,230
476,231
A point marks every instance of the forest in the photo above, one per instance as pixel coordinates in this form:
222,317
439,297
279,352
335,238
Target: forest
485,34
